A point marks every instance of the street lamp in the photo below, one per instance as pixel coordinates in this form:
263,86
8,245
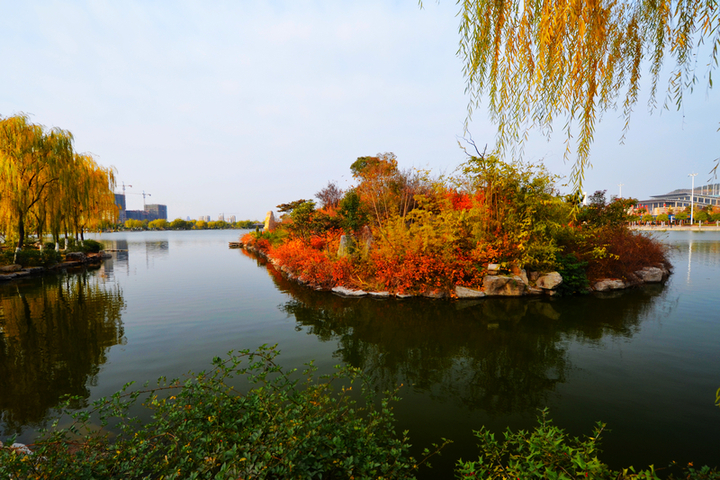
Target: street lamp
692,196
620,185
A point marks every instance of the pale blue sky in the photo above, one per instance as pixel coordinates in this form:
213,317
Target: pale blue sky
236,106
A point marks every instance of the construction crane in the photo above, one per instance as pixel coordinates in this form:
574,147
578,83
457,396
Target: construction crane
143,194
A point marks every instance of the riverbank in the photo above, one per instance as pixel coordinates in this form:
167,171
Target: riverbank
73,260
676,228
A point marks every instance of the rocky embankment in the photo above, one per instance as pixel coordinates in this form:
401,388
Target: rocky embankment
72,260
496,283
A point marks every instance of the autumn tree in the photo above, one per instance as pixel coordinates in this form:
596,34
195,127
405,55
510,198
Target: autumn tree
330,196
31,163
45,184
535,62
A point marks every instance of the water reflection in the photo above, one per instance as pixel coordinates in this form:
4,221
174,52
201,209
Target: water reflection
54,336
503,356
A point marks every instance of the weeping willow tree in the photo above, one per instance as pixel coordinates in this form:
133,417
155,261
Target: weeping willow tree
45,184
536,62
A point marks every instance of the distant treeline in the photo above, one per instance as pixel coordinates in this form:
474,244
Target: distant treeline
180,224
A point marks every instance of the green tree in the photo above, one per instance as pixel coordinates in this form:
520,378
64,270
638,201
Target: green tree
536,62
663,217
647,218
682,216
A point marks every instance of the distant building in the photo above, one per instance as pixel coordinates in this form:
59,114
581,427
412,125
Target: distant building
120,203
221,217
156,211
679,199
232,219
136,215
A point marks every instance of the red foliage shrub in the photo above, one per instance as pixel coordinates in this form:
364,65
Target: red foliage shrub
626,252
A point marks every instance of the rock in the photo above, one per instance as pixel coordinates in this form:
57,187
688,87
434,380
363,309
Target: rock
270,222
347,292
10,268
608,284
464,292
534,276
75,257
549,281
379,294
7,276
523,276
404,295
21,448
346,247
504,286
650,275
535,291
493,269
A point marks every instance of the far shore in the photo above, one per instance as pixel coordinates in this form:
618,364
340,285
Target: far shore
685,228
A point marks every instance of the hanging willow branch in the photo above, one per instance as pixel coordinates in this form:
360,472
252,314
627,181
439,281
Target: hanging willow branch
539,61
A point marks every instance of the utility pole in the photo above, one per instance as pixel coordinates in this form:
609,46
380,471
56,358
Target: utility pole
620,185
692,196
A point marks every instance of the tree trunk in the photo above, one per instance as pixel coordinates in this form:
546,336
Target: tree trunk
21,231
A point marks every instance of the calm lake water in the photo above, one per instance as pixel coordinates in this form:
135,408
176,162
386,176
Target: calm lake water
645,361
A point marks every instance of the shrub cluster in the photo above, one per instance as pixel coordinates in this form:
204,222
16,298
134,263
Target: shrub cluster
288,425
407,233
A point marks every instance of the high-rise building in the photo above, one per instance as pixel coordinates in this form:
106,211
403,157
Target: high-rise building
156,211
120,202
232,219
221,217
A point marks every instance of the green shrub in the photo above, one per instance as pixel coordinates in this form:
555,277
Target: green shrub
574,275
548,453
202,427
30,257
91,246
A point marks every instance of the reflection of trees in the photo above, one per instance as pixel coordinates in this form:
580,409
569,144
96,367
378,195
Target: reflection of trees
54,335
499,355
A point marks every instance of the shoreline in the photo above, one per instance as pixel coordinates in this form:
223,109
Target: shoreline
667,228
506,285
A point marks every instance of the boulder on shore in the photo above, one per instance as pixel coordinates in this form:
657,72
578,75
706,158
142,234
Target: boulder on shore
608,284
347,292
549,281
504,286
651,274
464,292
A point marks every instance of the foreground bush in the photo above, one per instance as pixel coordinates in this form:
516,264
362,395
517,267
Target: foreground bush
204,428
548,453
286,425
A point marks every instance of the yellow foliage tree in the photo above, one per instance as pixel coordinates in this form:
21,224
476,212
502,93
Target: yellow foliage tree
44,182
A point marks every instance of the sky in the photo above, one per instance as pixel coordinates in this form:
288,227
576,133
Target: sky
233,107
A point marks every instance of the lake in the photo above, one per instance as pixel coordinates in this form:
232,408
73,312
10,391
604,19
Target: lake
646,361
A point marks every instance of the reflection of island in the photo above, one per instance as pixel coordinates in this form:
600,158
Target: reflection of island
54,335
499,355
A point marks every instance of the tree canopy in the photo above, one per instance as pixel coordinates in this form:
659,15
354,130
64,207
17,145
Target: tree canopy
45,185
537,62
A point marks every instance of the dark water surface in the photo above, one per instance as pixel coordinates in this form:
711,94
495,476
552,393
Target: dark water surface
645,361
